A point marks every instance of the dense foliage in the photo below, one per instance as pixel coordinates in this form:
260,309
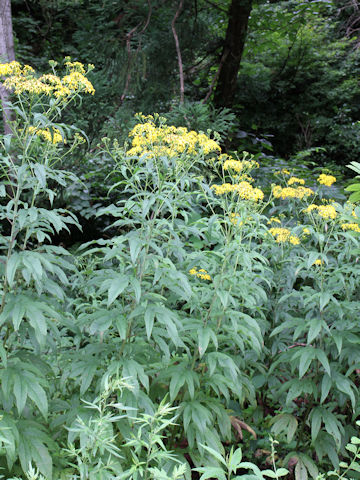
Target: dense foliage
219,307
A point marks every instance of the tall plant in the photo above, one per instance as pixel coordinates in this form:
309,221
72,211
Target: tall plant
34,273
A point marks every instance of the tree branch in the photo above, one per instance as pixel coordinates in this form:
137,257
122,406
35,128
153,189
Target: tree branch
178,51
131,57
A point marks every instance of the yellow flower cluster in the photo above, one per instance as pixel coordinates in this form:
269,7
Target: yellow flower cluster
273,220
23,79
12,68
293,180
306,231
76,82
351,226
244,189
325,211
147,138
201,273
284,171
235,219
51,136
76,67
283,235
327,180
291,192
239,166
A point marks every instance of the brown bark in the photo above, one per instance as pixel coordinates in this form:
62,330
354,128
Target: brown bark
7,54
239,13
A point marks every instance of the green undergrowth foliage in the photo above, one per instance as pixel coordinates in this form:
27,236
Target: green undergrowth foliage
212,311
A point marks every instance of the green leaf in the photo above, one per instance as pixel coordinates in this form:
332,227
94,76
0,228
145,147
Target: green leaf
307,356
211,472
38,396
176,382
149,317
316,416
344,385
269,473
324,300
300,470
281,472
87,376
135,244
314,330
11,267
118,285
203,339
20,392
215,454
321,356
235,459
325,387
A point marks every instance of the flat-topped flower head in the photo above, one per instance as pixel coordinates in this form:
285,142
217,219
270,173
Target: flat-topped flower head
294,180
291,192
201,273
283,235
164,140
355,227
328,212
243,189
23,79
327,180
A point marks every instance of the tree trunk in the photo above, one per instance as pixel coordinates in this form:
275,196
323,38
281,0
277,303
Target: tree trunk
239,13
7,54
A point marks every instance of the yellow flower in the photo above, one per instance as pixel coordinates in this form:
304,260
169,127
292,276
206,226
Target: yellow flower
327,180
244,189
23,79
168,141
318,262
306,231
293,180
351,226
283,235
201,273
52,136
237,165
76,81
310,208
294,240
273,220
291,192
325,211
75,67
12,68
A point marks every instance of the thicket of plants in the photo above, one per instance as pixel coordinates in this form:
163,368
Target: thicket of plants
216,316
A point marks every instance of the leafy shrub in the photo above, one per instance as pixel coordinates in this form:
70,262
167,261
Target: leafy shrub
237,304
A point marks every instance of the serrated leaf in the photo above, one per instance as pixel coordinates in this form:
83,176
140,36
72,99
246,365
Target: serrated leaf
215,454
203,339
307,355
320,354
20,393
135,244
149,317
176,382
11,267
325,387
314,330
118,285
316,418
